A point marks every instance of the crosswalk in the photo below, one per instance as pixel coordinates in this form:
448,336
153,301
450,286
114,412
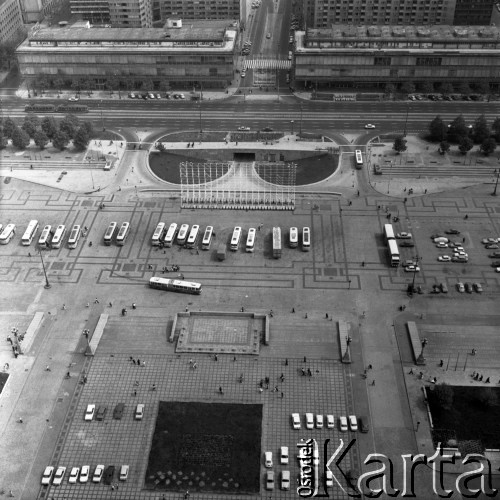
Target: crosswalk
267,64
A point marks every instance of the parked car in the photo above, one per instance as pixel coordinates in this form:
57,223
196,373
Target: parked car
443,287
309,421
330,422
489,240
47,475
343,424
295,420
437,235
284,454
109,474
124,470
73,475
285,480
84,473
118,411
139,412
98,472
435,288
494,255
268,459
319,421
74,98
444,258
478,287
270,480
59,475
441,244
89,413
101,412
492,246
468,287
377,169
495,263
267,129
441,239
403,236
245,129
369,126
132,95
407,243
412,269
452,231
353,423
460,287
363,424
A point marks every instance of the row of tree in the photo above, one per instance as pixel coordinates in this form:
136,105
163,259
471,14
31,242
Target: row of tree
445,88
44,131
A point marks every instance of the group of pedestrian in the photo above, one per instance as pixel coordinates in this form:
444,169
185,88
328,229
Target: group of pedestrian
479,377
137,362
308,372
192,364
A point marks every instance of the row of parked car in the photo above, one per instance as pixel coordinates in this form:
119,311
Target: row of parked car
450,97
151,95
82,474
90,412
344,423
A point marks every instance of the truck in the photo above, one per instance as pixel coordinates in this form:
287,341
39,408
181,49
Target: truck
393,249
221,252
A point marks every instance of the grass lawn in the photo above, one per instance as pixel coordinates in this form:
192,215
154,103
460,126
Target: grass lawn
473,414
209,447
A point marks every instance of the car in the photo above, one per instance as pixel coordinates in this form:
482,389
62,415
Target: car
158,96
444,258
319,421
145,96
132,95
182,96
268,459
151,95
497,270
478,287
89,413
460,287
443,287
118,411
290,40
109,474
47,475
492,246
329,478
489,240
167,96
363,424
59,475
353,423
377,169
268,35
343,423
460,258
409,262
74,98
175,96
441,239
270,480
412,269
495,263
330,422
101,412
403,236
295,420
468,287
452,231
457,248
437,235
435,288
284,454
73,475
441,244
285,480
460,255
309,421
245,129
98,472
267,129
139,412
407,244
124,469
369,126
84,473
494,255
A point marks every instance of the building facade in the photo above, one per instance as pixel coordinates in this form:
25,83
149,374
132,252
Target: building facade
474,12
36,10
11,20
373,56
199,9
131,13
197,54
95,11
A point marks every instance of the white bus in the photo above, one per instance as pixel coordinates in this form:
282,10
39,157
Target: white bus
170,236
175,285
110,233
306,239
44,239
183,234
58,237
294,237
207,238
250,246
157,235
359,159
194,234
389,232
30,232
122,234
7,234
235,239
74,236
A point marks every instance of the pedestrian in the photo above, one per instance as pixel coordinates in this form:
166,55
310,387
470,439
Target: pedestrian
135,393
110,304
187,308
370,367
373,383
473,352
138,362
220,390
309,372
286,362
216,358
195,366
358,192
463,240
261,390
305,316
154,387
303,372
261,383
96,301
326,316
476,376
282,377
487,381
136,383
411,371
275,388
441,363
20,420
466,216
234,359
481,378
282,395
150,266
242,309
47,368
88,305
64,307
112,487
144,364
187,495
305,359
133,361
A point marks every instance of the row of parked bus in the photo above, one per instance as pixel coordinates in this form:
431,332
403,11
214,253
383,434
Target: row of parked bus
119,235
189,237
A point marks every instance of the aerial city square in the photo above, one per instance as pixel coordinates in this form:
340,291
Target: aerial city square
249,249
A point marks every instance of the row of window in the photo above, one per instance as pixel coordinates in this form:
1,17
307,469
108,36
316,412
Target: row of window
400,44
349,60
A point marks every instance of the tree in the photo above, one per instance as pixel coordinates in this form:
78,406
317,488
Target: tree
487,398
446,88
112,83
89,85
60,140
41,139
488,146
3,141
399,144
444,146
464,88
480,130
147,85
76,85
457,129
444,395
427,87
408,88
483,88
465,145
88,127
20,139
495,127
69,125
43,83
29,128
81,139
164,85
437,129
8,127
49,126
58,84
389,88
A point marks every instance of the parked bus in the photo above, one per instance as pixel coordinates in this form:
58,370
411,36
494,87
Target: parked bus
276,242
294,237
235,239
192,239
7,234
158,234
170,236
250,246
44,239
393,253
389,232
123,234
58,237
183,234
359,159
207,238
306,239
110,233
74,236
175,285
30,232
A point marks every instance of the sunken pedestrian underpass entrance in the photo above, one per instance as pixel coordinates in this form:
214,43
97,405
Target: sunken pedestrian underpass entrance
243,157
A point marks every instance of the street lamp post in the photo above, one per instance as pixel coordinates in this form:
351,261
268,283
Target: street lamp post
496,183
291,123
421,359
47,284
201,126
300,123
417,259
102,119
406,119
390,172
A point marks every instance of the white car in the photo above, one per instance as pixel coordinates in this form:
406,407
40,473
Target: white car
403,236
246,129
151,95
441,239
330,422
124,472
243,74
74,99
460,287
444,258
47,475
412,269
353,423
369,126
139,412
284,454
343,423
295,420
319,421
497,270
285,480
268,459
58,476
309,421
182,96
442,244
73,476
84,473
99,471
489,240
89,413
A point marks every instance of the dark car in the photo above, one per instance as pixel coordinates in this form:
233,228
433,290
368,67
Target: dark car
436,235
494,255
468,287
452,231
436,289
407,243
267,129
363,424
109,474
118,411
495,263
101,413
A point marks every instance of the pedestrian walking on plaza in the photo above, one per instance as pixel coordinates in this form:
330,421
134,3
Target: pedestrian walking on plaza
64,307
409,373
303,372
326,316
136,383
135,393
88,304
96,301
47,368
473,352
487,381
133,360
234,359
309,372
154,387
282,395
134,306
441,363
186,495
20,420
282,377
220,390
286,362
110,304
293,309
216,358
481,378
305,316
305,359
373,383
138,362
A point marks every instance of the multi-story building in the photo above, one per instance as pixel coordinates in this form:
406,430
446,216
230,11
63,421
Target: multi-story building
177,55
117,13
372,56
474,12
11,20
35,10
95,11
199,9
